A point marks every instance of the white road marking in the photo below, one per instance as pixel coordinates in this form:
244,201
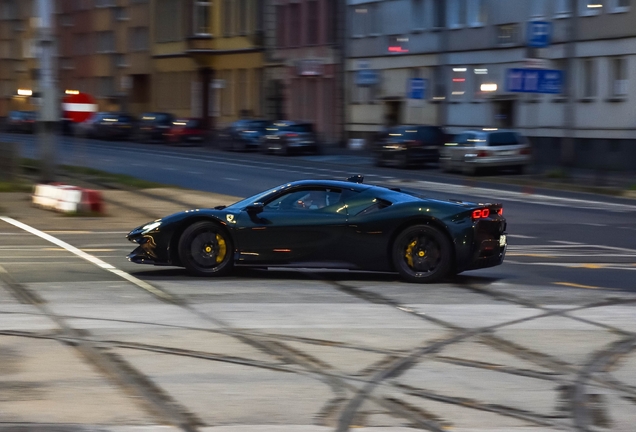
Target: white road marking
520,236
231,179
563,242
576,265
90,258
593,224
195,172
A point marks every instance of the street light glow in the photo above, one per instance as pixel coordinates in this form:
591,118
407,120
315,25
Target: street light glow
488,87
71,92
25,92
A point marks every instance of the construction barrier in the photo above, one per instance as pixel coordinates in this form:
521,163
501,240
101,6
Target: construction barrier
68,199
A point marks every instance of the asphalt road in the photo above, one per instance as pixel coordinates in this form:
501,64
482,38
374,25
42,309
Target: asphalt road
556,237
545,342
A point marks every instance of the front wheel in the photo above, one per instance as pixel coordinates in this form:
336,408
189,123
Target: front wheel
206,250
422,254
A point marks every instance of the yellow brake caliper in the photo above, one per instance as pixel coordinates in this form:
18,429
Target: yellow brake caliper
222,249
409,253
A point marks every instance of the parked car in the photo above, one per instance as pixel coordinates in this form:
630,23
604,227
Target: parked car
21,121
115,126
287,137
153,126
243,134
408,145
473,151
88,128
189,130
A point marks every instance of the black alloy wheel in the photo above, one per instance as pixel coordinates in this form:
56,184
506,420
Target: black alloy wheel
205,249
422,254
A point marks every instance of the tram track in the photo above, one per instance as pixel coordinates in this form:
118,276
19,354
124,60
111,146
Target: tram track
350,392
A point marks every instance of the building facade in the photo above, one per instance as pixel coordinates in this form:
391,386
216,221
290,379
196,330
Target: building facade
304,57
449,63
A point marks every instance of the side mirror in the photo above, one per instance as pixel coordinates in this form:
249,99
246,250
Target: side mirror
255,208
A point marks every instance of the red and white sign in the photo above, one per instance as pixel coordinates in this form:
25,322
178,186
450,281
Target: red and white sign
79,107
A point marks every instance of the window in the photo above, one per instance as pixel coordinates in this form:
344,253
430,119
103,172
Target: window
243,102
318,199
590,7
332,20
476,13
458,82
281,19
507,34
562,8
120,60
66,20
228,17
119,14
456,13
137,39
105,86
226,93
619,6
365,20
168,21
417,15
439,13
105,42
66,63
538,8
104,3
295,27
619,82
312,24
201,15
243,14
439,87
588,78
480,81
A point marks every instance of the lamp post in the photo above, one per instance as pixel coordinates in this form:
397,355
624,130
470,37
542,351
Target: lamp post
49,105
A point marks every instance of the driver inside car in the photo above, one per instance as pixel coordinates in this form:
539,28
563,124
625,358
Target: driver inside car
313,201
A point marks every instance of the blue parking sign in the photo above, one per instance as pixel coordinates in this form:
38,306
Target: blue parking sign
417,88
539,34
534,81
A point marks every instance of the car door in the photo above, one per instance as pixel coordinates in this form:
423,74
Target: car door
456,152
293,227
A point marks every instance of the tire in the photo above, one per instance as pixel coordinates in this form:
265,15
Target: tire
206,250
422,254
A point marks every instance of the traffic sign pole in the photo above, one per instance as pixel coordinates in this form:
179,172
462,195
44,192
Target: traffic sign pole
79,108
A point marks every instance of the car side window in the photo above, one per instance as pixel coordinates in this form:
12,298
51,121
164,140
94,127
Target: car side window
317,199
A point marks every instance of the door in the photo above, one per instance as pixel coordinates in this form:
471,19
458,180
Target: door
301,225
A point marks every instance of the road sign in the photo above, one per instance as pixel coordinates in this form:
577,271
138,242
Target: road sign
79,107
534,81
367,77
539,34
417,88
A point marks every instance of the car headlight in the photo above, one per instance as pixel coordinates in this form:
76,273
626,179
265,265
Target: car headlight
149,227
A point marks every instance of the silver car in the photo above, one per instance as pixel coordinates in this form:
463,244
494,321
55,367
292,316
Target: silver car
472,151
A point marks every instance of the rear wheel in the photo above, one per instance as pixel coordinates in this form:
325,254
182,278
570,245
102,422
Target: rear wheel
422,254
206,250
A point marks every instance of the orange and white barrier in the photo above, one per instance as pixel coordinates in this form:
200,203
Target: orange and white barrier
67,199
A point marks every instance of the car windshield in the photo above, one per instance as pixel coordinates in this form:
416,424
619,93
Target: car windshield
299,128
239,205
504,139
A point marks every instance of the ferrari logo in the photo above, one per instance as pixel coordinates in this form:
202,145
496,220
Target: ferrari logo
230,218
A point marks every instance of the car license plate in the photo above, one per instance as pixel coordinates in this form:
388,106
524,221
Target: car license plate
502,240
508,153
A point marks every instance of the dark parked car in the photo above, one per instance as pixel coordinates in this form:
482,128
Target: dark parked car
328,223
287,137
21,121
186,131
88,128
153,126
244,135
408,145
116,126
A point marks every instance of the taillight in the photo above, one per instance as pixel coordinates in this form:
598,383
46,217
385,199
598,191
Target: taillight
413,143
525,151
500,211
291,135
481,213
482,153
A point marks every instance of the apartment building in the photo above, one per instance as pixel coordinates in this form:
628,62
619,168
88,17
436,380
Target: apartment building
448,62
18,65
103,50
304,60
